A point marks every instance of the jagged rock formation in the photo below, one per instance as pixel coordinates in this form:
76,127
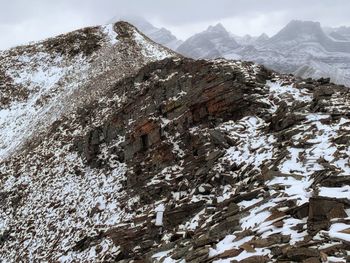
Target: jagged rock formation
250,165
159,35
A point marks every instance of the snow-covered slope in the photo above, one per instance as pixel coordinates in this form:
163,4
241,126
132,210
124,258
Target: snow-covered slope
161,158
211,43
41,81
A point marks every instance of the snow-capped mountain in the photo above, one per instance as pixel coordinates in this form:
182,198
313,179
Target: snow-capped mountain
159,35
128,152
262,39
298,34
301,47
215,41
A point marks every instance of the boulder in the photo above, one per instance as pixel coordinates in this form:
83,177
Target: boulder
300,254
255,259
322,210
283,118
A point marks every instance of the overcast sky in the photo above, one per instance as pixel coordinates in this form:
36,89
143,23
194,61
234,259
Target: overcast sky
22,21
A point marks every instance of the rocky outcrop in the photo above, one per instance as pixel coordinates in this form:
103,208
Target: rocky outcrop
184,160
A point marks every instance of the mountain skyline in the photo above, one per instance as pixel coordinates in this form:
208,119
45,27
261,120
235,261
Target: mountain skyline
303,48
341,32
22,21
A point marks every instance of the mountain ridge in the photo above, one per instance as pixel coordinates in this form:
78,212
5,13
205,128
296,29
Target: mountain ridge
172,159
298,45
61,63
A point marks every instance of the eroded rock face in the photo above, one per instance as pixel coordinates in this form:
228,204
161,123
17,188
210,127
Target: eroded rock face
250,166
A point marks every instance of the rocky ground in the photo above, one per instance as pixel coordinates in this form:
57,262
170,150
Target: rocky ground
249,166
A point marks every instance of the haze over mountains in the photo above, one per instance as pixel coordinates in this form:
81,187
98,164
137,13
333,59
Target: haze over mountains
303,48
211,43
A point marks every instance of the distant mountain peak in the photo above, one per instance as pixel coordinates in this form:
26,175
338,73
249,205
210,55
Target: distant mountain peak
298,31
213,42
305,23
264,35
260,40
303,26
297,28
217,28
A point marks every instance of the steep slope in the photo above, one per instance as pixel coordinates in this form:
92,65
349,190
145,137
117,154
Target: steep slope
39,82
248,165
212,43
